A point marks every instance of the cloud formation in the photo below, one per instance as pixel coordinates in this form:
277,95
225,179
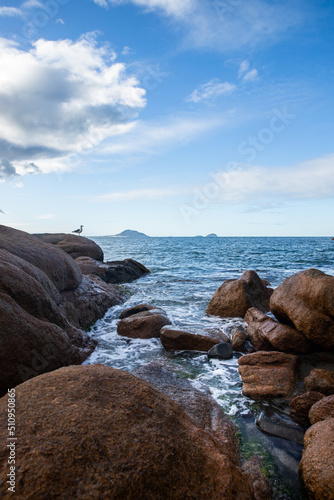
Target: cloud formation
211,90
138,194
60,98
225,24
10,12
245,74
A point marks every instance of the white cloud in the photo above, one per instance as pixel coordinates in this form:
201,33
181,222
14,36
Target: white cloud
10,12
151,137
60,98
60,21
251,76
244,67
30,4
138,194
221,24
312,179
211,90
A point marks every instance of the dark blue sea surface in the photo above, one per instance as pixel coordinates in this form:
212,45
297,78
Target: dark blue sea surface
185,272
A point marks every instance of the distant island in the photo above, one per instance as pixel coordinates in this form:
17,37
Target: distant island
212,235
128,233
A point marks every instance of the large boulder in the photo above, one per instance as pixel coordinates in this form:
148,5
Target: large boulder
143,325
268,374
30,346
174,339
103,433
64,273
320,380
267,334
75,246
301,405
234,297
239,338
90,301
112,272
305,301
316,466
322,410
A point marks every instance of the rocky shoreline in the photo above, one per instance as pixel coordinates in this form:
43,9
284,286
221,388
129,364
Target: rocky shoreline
150,434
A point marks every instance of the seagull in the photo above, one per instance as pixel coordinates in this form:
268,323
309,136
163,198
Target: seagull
78,231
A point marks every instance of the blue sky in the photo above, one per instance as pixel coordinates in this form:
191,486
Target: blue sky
166,116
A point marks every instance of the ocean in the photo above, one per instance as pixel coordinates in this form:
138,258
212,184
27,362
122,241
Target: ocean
185,272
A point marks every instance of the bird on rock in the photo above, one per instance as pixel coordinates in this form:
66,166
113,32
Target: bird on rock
78,231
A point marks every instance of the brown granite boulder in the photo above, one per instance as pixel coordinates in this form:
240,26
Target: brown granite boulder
174,339
322,410
234,297
96,432
143,325
238,340
64,273
90,301
130,311
317,465
267,334
75,246
112,272
305,301
268,374
256,478
30,346
301,405
320,380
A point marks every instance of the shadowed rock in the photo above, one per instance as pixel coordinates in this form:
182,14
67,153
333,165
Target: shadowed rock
112,272
322,410
221,351
178,340
234,297
321,381
120,436
301,405
143,325
239,340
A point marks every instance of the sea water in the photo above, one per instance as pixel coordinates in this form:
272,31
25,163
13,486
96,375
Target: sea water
185,272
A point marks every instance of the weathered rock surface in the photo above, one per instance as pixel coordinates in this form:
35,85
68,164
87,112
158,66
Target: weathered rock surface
239,340
277,423
306,301
321,381
198,405
256,478
126,270
119,435
267,334
64,273
178,340
130,311
322,410
143,325
234,297
268,374
112,272
223,350
317,466
75,246
90,301
301,405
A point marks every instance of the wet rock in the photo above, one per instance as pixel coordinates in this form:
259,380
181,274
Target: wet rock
90,301
305,301
239,340
117,272
125,271
276,423
322,410
267,334
143,325
234,297
321,381
301,405
256,478
75,246
316,467
178,340
268,374
130,311
200,406
119,435
64,273
221,351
